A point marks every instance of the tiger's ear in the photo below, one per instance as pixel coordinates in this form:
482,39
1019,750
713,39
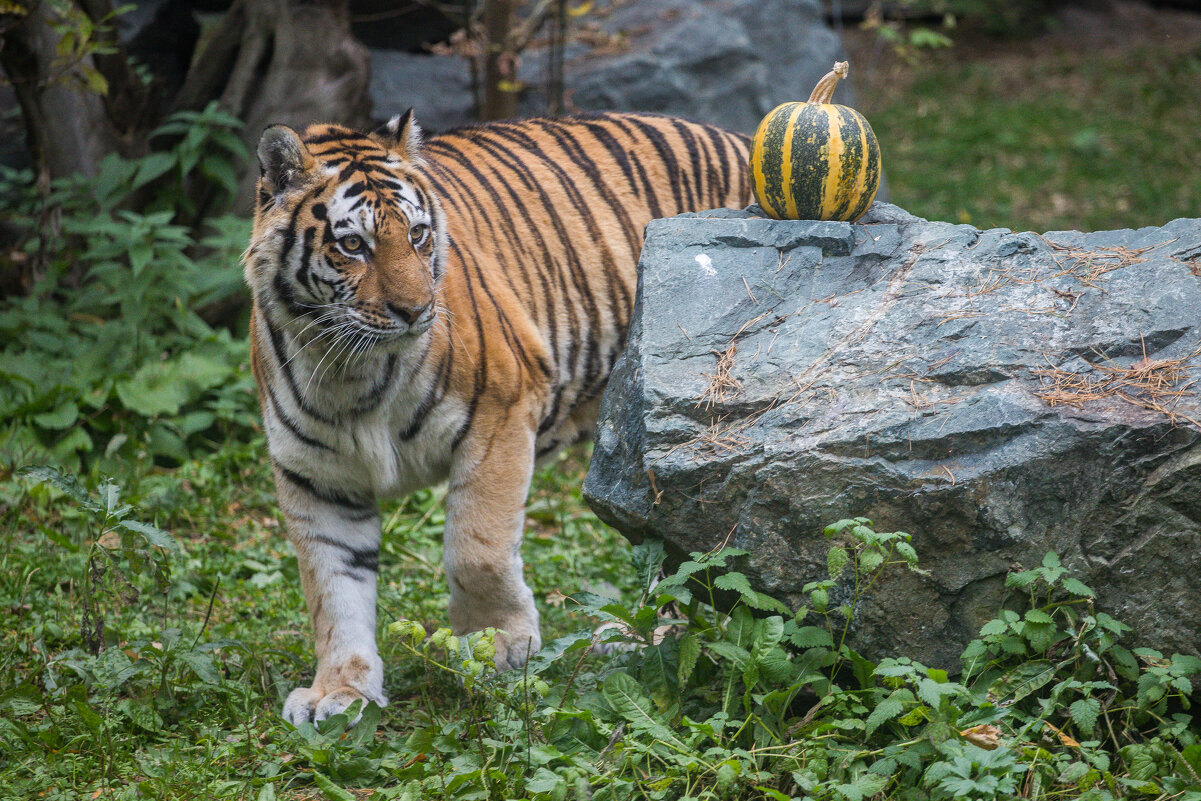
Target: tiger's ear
403,131
283,159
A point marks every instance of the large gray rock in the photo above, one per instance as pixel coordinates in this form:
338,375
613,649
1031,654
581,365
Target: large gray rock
928,376
725,62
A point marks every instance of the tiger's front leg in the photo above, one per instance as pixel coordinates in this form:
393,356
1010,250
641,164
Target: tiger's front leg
337,548
485,518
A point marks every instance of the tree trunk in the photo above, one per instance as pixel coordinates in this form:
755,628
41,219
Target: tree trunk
282,61
500,61
66,125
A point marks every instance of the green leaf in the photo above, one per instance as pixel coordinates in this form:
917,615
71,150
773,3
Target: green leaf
690,649
64,416
1084,714
330,790
151,167
1027,678
66,482
811,637
1077,588
153,535
164,387
891,707
932,692
870,560
543,781
202,665
624,695
837,559
1020,581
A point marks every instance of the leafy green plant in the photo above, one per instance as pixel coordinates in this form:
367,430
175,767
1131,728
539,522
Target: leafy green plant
108,356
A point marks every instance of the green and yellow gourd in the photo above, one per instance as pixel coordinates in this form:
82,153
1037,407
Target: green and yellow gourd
815,160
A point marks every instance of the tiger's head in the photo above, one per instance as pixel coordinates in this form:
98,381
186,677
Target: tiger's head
349,238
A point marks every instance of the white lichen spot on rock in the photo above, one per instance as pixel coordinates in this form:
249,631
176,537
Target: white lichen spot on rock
706,264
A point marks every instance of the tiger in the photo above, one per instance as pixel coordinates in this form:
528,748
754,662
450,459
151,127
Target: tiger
446,309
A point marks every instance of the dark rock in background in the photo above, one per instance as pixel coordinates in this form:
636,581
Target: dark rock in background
903,370
726,62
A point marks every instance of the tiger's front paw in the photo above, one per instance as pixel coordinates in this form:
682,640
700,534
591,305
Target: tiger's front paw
514,650
312,705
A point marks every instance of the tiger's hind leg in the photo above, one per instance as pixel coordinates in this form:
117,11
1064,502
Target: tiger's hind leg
485,518
337,550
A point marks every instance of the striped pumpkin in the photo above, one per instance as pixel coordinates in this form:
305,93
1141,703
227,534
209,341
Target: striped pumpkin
815,160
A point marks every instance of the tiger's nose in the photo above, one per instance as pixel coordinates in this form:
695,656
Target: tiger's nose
408,314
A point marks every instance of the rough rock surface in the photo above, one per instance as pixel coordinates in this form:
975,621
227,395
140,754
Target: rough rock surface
935,378
726,62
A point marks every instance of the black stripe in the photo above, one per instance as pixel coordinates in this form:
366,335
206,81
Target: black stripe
304,271
574,263
372,398
358,558
873,172
480,378
357,507
652,197
691,177
291,424
718,142
275,336
659,143
428,401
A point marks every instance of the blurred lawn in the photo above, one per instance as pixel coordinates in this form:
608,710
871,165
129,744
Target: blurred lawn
1091,125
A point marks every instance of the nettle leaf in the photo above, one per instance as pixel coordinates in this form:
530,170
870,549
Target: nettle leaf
1185,665
1077,588
1084,714
164,387
63,481
1023,680
837,559
932,692
811,637
768,633
624,695
690,649
1022,580
891,707
153,535
870,560
647,558
550,652
660,669
1150,688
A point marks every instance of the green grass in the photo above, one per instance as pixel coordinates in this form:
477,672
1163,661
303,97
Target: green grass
218,732
131,668
1034,137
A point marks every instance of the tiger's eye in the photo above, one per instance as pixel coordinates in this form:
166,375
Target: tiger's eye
351,243
419,233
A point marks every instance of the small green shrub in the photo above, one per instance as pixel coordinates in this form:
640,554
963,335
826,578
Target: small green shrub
108,356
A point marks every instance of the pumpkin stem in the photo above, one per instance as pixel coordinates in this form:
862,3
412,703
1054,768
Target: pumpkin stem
824,91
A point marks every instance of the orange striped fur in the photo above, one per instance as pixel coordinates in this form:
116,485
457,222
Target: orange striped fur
447,311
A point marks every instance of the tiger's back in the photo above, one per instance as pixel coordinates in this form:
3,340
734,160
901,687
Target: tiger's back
447,310
546,220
